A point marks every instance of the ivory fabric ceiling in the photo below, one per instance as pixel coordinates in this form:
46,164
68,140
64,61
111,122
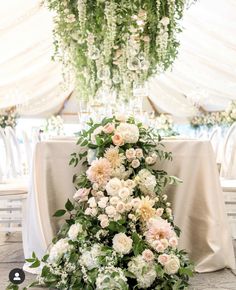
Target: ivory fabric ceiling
205,70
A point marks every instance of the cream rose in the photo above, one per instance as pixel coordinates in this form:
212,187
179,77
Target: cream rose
149,160
135,163
124,193
103,202
130,153
92,202
139,153
173,242
120,207
110,211
122,244
172,265
104,223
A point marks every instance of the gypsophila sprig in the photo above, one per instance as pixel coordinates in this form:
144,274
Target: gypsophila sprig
120,233
116,45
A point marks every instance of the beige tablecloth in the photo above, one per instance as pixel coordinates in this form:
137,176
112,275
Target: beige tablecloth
197,203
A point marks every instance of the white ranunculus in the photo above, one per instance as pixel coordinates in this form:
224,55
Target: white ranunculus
113,186
129,132
122,244
74,230
172,265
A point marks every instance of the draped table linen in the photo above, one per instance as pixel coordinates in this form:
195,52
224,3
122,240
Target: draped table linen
197,203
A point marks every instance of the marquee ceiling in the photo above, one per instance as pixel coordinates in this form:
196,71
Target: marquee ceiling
204,73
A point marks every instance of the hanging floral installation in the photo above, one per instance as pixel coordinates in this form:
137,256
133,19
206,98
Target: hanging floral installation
210,119
116,45
8,118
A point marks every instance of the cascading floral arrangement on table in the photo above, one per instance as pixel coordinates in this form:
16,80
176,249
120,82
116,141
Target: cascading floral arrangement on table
116,44
120,232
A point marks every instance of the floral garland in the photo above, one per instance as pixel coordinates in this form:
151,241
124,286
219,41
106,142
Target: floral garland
116,45
120,232
210,119
8,118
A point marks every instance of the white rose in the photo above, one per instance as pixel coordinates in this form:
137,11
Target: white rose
102,217
130,153
74,230
92,202
104,223
121,117
113,186
110,211
129,183
122,244
124,193
139,153
149,160
172,265
103,202
88,211
120,207
173,242
135,163
163,259
94,211
128,206
114,200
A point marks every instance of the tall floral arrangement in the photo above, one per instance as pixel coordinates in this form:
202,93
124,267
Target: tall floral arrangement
210,119
8,118
113,44
120,232
164,125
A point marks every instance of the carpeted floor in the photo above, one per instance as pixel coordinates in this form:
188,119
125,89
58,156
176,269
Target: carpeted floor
11,256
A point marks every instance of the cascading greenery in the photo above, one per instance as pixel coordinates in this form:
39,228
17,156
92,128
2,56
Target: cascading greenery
116,44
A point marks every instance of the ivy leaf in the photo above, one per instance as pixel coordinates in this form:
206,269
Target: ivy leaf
69,206
59,213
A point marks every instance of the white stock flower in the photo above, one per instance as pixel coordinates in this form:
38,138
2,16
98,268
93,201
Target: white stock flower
74,230
122,244
58,250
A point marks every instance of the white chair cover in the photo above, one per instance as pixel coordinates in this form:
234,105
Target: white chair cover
28,149
14,151
228,168
5,161
215,138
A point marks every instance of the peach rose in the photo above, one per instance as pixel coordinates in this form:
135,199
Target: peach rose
117,140
108,128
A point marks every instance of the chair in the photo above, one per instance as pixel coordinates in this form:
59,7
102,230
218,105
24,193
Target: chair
228,167
228,176
12,205
215,139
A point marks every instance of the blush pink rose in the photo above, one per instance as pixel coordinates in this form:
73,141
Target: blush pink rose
117,140
81,194
148,255
173,242
108,128
163,259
